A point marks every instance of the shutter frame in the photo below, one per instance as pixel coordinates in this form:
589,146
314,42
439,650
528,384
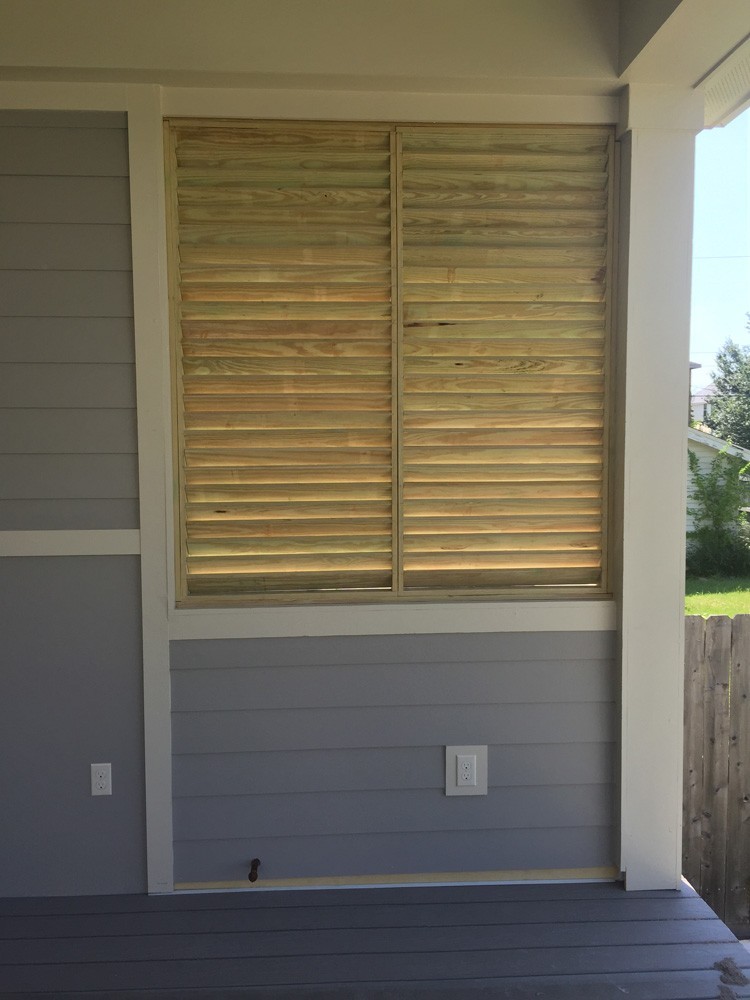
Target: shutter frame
484,234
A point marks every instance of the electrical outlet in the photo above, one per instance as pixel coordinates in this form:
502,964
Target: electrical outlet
101,779
466,770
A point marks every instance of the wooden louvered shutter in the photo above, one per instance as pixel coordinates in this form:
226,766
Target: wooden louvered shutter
282,289
505,257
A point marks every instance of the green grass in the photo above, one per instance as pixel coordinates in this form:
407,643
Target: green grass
717,595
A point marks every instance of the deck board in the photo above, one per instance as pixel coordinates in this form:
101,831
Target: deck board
554,942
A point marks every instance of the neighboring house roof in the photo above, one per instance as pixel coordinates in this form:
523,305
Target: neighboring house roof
719,444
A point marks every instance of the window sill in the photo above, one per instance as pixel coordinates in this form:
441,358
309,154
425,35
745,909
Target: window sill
393,619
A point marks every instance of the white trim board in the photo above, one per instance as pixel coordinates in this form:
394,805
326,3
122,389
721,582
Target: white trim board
393,619
117,542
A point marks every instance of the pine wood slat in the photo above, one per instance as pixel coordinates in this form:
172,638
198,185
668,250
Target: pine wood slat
287,366
543,575
506,256
253,311
334,507
502,195
231,385
280,216
413,315
208,272
530,231
241,194
319,163
514,405
456,541
509,139
524,276
245,528
500,481
210,255
282,134
513,160
273,236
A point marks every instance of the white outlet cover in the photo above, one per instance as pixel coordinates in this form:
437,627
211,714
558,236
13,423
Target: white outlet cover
451,760
101,779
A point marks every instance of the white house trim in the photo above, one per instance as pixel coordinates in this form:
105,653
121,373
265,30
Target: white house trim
154,433
657,223
727,88
395,619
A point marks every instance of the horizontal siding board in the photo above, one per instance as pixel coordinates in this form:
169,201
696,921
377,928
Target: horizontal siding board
63,119
351,731
67,385
60,432
348,769
66,293
403,812
40,150
425,648
68,515
393,854
308,686
95,200
58,476
63,339
214,732
64,247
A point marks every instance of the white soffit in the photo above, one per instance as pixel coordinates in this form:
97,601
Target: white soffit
726,90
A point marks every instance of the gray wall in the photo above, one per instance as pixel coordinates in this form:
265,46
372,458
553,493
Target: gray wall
67,374
325,756
71,696
70,643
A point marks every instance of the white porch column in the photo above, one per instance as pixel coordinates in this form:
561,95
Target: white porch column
658,132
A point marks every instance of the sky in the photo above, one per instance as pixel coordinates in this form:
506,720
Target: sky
721,244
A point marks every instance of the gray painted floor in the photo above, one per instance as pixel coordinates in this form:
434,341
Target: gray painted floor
558,942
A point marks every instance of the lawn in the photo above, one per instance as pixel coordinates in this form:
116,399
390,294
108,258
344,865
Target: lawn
717,595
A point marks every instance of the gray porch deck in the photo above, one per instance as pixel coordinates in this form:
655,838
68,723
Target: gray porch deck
552,942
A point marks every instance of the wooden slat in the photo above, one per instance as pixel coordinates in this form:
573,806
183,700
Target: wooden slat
737,907
692,796
327,279
715,764
507,271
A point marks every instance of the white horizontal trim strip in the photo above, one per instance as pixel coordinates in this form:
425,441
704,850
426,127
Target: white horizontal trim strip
125,542
385,105
393,619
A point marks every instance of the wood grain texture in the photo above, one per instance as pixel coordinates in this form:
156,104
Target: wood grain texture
456,277
716,756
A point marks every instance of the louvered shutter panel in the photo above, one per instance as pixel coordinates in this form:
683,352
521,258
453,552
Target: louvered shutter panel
282,290
505,263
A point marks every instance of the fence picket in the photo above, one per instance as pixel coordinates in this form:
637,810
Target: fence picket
737,911
692,799
715,760
716,785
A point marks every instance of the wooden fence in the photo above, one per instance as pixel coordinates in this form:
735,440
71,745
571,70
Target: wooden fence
716,800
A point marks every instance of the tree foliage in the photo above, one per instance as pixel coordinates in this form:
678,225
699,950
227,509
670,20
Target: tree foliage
719,543
729,415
